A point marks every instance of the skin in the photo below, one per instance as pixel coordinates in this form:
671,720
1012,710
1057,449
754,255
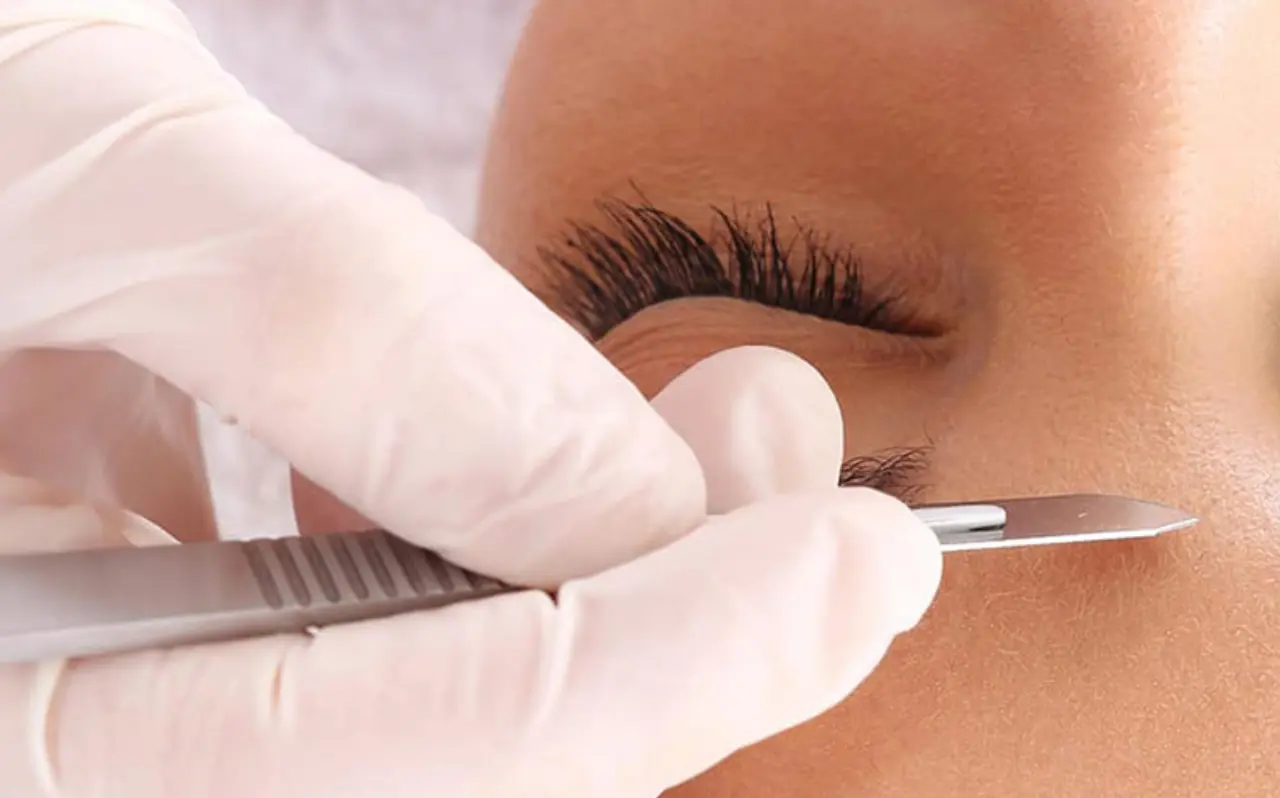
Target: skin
1081,196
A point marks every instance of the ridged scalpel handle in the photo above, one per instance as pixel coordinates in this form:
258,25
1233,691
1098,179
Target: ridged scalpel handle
85,603
354,568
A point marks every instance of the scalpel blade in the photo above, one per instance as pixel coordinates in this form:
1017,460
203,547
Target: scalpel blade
1047,520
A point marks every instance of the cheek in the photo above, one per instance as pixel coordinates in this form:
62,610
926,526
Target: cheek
1083,667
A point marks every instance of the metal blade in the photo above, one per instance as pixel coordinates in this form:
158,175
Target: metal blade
1077,518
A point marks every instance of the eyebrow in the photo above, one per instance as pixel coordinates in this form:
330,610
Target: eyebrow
900,472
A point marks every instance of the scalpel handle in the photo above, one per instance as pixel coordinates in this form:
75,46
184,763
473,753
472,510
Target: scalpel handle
84,603
101,601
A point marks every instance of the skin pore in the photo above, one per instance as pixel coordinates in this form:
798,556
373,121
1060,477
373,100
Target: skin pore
1074,205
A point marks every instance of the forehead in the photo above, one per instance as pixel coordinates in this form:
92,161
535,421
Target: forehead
973,116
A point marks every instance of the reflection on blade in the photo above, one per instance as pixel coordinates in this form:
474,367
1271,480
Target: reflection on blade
1046,520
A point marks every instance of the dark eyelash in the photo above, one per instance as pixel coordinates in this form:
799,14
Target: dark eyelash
894,471
604,275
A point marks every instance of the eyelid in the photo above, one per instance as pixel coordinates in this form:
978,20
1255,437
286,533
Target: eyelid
602,275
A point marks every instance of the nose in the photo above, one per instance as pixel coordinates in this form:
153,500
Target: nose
1122,195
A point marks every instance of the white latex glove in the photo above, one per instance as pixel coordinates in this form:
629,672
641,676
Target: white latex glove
634,680
149,208
152,212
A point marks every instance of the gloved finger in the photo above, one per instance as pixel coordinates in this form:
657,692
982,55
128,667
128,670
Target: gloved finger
105,430
635,680
149,206
762,421
37,517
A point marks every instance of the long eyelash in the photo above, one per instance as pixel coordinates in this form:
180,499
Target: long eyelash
604,275
894,471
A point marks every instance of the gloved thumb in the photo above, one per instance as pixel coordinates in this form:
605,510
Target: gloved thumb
762,422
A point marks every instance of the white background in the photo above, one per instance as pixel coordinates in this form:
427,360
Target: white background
404,89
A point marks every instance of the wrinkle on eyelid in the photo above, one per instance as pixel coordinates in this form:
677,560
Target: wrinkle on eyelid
665,339
653,351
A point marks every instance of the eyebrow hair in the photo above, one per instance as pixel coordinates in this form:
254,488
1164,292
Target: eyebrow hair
899,472
600,275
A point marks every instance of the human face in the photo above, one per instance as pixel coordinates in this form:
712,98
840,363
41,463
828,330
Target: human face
1071,208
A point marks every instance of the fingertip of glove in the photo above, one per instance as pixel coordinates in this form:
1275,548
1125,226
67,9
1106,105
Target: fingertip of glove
904,546
762,422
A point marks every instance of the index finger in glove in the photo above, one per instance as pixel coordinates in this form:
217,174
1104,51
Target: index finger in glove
167,216
635,680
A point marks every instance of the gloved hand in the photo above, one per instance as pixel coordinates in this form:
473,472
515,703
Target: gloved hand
154,216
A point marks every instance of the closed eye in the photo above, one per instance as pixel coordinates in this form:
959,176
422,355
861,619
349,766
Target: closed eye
601,275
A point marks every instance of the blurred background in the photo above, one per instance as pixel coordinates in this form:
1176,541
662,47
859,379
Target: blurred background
402,88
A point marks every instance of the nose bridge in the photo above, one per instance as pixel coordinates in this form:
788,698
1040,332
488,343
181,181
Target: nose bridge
1153,239
1139,129
1098,136
1134,198
1093,229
